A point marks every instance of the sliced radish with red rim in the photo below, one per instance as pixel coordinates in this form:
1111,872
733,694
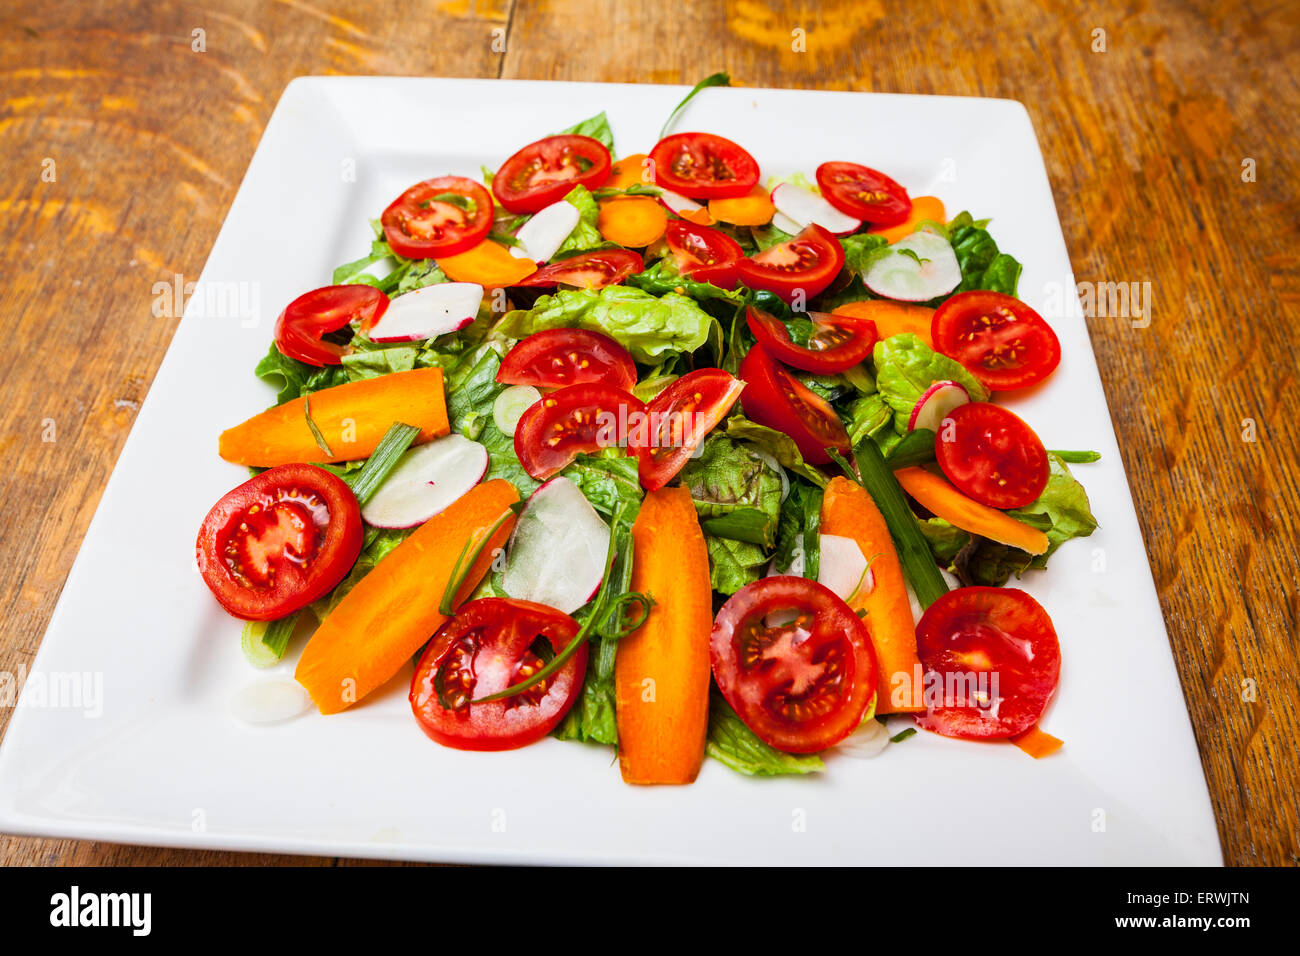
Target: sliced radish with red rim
425,481
805,207
542,235
557,550
427,313
936,403
916,269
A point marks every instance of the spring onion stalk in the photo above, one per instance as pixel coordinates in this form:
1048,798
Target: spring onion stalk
264,642
382,460
1076,457
465,562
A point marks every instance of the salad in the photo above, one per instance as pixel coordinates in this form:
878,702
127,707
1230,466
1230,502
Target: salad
658,453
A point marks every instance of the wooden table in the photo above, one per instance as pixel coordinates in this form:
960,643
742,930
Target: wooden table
1171,153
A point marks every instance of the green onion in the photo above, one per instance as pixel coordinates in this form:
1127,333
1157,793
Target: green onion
315,432
1076,457
382,460
461,569
717,79
902,735
915,448
264,642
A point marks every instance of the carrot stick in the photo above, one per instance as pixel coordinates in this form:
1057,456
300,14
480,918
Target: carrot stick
661,673
848,510
632,221
393,610
488,264
892,318
626,172
1037,743
924,208
352,419
946,502
755,209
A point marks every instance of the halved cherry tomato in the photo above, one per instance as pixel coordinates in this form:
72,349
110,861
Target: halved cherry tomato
588,270
995,655
543,172
863,193
704,254
808,262
1000,340
775,398
837,341
795,663
438,217
554,358
991,455
490,644
703,166
279,541
678,419
571,421
300,326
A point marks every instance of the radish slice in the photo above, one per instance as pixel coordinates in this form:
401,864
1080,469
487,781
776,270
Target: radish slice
844,568
807,207
903,278
426,480
511,404
936,403
557,551
865,742
783,222
541,236
428,312
678,203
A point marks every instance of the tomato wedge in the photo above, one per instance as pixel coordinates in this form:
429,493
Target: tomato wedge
579,419
703,166
794,662
837,342
1000,340
300,327
279,541
543,172
991,455
438,217
490,644
554,358
588,270
864,193
704,254
992,662
809,263
678,419
775,398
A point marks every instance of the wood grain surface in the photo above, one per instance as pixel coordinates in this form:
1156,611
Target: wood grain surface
1150,145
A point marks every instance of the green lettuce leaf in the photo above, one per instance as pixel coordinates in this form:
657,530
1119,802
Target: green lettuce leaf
982,265
293,379
737,495
606,480
597,127
663,277
471,390
1065,504
862,249
906,367
777,444
732,743
733,564
585,235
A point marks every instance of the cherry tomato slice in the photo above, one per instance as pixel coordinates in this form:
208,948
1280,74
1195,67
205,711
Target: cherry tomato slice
438,218
991,455
554,358
589,270
864,193
704,254
279,541
809,263
992,662
775,398
571,421
300,326
837,342
794,662
490,644
703,166
1000,340
678,419
543,172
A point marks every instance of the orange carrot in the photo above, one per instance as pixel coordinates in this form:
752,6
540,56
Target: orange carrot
661,673
627,172
1037,743
632,221
701,216
924,209
893,318
352,418
848,511
393,610
946,502
488,264
755,209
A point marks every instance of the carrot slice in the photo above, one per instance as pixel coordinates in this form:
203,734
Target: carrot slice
661,673
488,264
946,502
626,172
756,209
352,418
632,221
924,209
1037,743
847,510
393,610
893,318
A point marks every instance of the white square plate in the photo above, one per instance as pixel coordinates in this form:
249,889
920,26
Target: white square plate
165,762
